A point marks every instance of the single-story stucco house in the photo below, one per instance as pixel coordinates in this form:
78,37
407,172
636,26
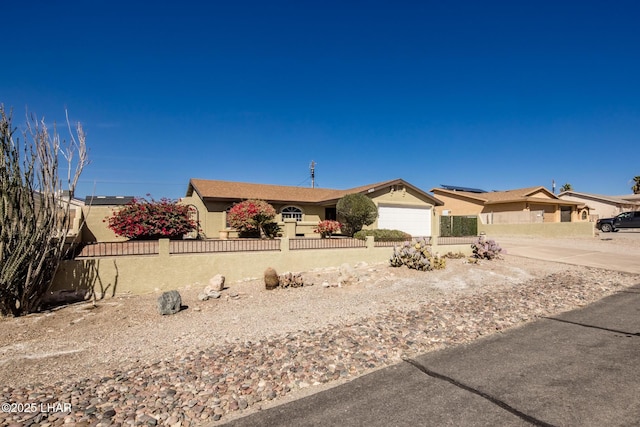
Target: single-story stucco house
523,205
401,206
601,206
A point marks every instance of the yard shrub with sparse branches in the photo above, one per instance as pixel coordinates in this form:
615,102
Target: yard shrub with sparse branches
34,211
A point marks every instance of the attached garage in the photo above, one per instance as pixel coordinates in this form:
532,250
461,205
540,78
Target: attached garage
410,219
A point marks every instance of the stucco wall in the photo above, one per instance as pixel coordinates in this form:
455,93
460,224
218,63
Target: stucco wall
143,274
556,229
95,228
458,206
109,276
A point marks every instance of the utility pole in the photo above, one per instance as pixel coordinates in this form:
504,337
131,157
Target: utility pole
553,185
313,174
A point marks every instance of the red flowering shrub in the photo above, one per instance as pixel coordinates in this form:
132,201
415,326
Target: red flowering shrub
327,227
253,215
142,219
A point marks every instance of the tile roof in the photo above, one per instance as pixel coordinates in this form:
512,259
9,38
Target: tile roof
108,200
625,200
517,195
229,190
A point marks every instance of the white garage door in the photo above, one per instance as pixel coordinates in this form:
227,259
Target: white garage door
413,220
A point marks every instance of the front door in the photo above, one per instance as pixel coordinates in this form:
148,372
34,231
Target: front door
565,213
330,213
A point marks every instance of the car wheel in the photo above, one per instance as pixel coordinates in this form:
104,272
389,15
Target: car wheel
606,228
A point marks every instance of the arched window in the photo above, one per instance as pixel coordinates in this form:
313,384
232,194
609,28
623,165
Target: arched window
584,215
291,212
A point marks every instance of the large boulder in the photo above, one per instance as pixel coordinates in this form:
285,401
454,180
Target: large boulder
169,302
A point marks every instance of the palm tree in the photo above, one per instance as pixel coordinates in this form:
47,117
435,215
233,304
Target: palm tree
566,187
636,185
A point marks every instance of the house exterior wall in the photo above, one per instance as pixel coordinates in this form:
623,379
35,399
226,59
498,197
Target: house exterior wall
540,194
506,207
599,208
551,212
95,227
465,206
398,196
458,206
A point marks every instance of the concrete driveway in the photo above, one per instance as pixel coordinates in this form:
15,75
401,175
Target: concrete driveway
576,369
610,251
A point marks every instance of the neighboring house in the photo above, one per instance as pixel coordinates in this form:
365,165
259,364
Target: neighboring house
95,211
631,197
603,206
401,205
523,205
65,200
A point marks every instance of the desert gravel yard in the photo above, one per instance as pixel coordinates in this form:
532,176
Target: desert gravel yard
117,362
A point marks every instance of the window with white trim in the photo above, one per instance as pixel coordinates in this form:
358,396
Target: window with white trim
291,212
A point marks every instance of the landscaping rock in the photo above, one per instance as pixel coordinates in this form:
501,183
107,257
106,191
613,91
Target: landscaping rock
348,275
291,280
169,302
216,284
271,279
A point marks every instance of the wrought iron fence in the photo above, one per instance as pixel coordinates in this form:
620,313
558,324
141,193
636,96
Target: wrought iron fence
466,240
392,244
97,249
230,245
332,243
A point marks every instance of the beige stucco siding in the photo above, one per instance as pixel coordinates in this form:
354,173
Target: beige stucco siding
505,207
599,209
540,194
551,213
95,228
400,196
458,206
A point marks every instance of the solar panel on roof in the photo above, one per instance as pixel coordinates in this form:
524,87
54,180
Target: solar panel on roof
457,188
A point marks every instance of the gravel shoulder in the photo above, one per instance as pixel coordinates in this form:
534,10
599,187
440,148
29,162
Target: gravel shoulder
118,361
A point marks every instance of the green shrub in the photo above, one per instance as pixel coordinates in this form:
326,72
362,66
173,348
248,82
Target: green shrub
416,255
384,235
355,211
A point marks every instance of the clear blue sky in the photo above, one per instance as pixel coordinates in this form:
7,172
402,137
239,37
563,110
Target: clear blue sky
489,94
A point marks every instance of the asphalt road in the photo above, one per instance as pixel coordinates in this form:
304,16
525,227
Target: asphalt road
576,369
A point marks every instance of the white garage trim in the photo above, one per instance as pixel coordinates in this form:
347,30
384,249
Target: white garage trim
415,220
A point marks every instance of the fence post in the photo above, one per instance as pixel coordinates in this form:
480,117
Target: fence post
284,244
163,248
290,227
370,243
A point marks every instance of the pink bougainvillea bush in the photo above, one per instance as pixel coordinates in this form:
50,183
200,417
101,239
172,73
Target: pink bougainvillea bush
154,219
253,215
327,227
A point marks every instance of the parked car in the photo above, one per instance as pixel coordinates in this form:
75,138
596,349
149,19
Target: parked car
623,220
